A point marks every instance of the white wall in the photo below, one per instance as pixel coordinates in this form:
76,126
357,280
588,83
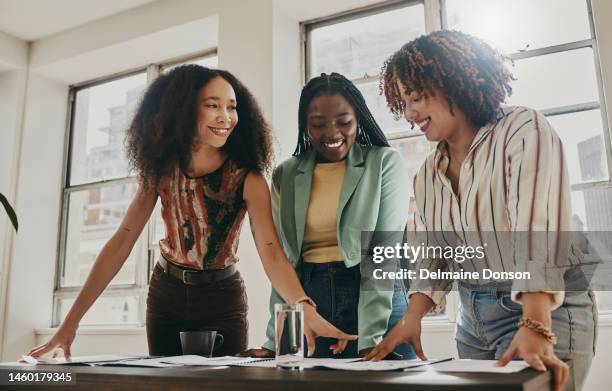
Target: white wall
13,62
260,43
14,53
13,81
12,91
31,268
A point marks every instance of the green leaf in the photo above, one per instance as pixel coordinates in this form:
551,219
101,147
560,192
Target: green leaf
10,211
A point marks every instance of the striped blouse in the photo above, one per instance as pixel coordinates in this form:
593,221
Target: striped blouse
512,183
203,216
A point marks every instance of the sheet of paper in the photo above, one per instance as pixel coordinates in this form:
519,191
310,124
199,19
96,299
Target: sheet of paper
384,365
86,360
481,366
209,361
146,362
307,363
256,362
187,360
347,364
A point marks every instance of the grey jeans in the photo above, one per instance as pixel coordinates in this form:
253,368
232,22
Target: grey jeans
488,319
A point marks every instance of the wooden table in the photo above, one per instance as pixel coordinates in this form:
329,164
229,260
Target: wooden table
269,379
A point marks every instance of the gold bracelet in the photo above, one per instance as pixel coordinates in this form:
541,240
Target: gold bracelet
539,328
306,299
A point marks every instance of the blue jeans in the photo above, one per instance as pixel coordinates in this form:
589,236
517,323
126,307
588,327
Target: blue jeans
488,320
335,289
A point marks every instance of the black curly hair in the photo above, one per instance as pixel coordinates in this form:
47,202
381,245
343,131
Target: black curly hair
469,73
368,131
163,130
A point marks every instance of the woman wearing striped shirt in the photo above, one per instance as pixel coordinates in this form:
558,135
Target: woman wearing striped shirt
497,171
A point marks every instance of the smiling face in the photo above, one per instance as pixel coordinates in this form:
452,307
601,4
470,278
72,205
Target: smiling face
332,127
217,115
431,113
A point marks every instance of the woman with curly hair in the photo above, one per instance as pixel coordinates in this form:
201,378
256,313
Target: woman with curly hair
497,172
200,144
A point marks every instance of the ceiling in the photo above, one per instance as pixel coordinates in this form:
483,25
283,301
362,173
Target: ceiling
30,20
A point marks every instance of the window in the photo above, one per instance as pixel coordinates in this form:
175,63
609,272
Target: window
98,190
555,62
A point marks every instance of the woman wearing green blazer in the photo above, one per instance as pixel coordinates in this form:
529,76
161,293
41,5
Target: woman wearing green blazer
342,180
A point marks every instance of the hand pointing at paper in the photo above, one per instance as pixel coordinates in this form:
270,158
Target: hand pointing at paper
407,330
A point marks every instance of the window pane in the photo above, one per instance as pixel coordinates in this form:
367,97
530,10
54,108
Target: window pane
604,301
585,152
554,80
592,209
102,115
93,217
360,46
208,62
378,106
514,25
107,310
414,150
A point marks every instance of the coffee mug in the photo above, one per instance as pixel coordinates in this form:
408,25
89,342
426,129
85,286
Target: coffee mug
201,343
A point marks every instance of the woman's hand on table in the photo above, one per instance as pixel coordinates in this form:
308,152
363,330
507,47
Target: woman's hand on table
62,339
316,326
532,347
537,352
407,330
391,356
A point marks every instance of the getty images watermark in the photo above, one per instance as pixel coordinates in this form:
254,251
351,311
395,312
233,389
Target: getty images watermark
458,254
529,261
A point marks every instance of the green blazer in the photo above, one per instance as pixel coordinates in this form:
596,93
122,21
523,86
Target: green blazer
374,197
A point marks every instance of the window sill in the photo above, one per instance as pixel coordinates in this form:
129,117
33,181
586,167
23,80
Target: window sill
605,319
127,330
438,326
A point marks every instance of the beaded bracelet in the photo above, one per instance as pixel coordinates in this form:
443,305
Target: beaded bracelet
539,328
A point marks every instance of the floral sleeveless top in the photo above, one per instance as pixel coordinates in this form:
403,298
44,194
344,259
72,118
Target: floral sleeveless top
203,216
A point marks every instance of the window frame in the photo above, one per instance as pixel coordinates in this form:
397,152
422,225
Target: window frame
436,19
144,265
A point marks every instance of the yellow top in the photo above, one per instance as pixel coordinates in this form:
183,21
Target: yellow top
320,233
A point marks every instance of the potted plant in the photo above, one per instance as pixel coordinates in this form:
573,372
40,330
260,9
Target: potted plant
10,211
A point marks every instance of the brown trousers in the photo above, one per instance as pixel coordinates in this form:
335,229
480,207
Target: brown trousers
173,307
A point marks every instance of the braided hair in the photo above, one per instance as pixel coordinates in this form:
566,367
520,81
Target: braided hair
368,131
469,73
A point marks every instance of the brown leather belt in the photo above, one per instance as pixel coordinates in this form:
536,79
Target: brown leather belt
195,277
